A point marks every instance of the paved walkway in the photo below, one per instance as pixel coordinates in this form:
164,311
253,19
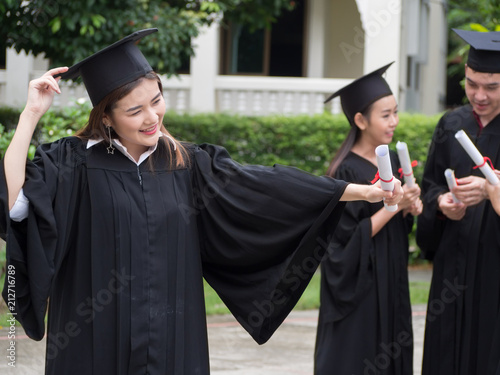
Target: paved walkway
290,351
232,351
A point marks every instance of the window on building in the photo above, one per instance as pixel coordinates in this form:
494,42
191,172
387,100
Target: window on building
185,64
3,52
246,52
278,51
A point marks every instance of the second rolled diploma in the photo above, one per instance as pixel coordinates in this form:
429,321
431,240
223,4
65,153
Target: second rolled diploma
449,174
385,172
476,157
404,159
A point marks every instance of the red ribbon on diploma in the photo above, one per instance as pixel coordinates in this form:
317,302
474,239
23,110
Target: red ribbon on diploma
414,163
377,177
486,159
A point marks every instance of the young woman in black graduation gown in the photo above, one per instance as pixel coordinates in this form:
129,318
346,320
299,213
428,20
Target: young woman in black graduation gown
117,226
365,314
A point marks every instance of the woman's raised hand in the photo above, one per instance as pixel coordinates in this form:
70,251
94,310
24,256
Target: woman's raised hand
41,92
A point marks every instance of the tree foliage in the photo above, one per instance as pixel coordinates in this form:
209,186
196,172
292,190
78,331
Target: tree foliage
476,15
68,31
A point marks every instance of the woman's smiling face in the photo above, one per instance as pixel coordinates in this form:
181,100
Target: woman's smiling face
137,117
383,120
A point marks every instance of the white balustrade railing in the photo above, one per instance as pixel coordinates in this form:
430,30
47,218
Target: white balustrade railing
249,95
244,95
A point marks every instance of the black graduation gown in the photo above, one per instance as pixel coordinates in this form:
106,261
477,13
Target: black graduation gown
365,314
120,252
464,301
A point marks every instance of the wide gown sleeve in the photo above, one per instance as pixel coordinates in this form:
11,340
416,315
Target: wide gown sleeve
348,269
32,243
263,233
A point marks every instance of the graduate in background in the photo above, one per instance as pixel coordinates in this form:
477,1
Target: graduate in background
117,226
462,334
365,313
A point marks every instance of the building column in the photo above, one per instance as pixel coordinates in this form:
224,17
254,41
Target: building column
316,26
204,69
381,20
433,81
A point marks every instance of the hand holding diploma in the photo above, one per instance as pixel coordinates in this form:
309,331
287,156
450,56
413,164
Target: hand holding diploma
385,173
476,156
450,209
449,174
411,203
448,203
373,193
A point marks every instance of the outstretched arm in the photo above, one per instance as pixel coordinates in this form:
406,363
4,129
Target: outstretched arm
40,95
373,193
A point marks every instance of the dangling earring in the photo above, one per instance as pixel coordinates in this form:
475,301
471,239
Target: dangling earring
110,148
172,141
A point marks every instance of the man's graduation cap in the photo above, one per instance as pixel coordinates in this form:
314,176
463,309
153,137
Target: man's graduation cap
359,94
484,52
114,66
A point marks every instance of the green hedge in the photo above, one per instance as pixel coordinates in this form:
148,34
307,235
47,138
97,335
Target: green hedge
306,142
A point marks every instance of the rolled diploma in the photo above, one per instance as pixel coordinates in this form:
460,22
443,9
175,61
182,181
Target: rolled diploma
385,172
476,156
451,181
404,159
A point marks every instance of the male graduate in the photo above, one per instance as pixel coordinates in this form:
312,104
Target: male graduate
463,239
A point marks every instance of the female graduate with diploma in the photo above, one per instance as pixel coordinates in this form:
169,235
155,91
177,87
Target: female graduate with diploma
116,227
365,314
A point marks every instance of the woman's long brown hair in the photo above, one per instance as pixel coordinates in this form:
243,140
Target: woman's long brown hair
349,142
177,155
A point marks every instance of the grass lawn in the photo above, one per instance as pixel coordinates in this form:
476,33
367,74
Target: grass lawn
419,292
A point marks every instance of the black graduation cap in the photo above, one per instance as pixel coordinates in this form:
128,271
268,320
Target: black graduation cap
359,94
484,52
114,66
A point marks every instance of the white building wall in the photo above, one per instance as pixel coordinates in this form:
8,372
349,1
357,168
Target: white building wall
379,39
20,70
433,80
204,69
17,79
345,46
381,20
